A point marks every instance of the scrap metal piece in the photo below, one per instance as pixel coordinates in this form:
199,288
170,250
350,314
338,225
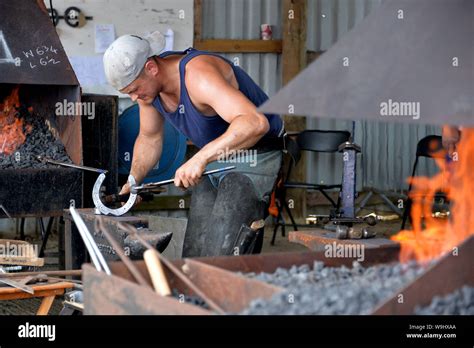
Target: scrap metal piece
368,233
16,284
218,284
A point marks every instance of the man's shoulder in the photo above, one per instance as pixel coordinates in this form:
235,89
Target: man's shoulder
206,64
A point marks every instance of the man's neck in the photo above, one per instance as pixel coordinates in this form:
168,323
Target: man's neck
170,76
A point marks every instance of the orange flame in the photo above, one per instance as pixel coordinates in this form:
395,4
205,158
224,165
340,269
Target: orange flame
11,127
456,180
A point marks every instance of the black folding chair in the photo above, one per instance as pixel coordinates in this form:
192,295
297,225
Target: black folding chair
430,146
313,141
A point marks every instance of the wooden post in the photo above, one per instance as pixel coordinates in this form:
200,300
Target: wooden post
293,61
197,21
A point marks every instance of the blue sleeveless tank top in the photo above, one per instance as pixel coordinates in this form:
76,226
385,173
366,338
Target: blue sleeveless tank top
201,129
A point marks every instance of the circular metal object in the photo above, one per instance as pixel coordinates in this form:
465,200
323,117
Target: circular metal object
342,232
370,220
106,210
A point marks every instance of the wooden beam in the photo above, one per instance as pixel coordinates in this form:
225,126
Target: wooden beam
197,20
294,60
239,46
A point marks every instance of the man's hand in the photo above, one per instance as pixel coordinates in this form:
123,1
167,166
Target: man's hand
451,136
189,174
126,189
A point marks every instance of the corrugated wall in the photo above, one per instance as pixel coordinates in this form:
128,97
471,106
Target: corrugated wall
388,149
241,19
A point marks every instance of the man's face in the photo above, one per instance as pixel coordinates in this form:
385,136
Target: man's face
144,88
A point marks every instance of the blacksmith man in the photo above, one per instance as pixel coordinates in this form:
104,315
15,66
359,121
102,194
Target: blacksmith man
213,103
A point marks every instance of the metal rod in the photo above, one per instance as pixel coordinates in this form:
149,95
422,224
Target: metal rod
64,273
170,181
76,166
96,256
46,236
99,226
173,269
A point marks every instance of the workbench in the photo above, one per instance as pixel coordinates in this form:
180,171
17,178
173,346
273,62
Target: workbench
47,292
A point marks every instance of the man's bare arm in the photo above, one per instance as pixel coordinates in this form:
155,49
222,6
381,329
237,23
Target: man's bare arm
149,143
247,125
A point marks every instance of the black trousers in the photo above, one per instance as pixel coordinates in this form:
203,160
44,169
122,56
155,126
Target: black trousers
216,215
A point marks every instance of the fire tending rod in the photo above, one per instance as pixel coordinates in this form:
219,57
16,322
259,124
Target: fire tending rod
70,165
96,256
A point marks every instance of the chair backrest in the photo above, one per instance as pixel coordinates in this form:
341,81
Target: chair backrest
430,146
322,140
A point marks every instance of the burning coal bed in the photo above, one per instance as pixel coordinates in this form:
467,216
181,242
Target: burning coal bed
342,290
39,141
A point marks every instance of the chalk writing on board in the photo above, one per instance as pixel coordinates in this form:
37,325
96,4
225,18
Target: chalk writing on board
41,56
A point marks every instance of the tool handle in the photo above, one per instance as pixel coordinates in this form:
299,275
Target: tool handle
157,274
153,185
115,198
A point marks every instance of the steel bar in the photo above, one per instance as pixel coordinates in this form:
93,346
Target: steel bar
76,166
96,255
170,181
65,273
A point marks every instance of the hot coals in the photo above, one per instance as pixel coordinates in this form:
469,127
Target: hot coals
24,136
333,290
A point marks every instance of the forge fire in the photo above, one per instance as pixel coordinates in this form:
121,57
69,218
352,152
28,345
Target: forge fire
25,135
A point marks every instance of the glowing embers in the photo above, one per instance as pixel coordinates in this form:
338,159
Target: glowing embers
13,129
